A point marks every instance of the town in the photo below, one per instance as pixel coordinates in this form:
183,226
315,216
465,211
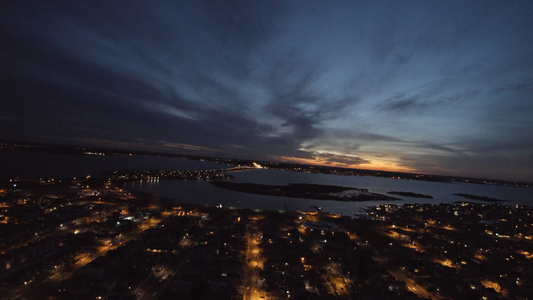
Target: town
88,238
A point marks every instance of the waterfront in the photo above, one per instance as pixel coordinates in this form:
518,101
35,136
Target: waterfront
31,164
201,192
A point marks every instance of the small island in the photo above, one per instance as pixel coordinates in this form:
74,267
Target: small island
479,198
306,191
410,194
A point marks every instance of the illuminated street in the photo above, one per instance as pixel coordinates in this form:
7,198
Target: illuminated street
254,262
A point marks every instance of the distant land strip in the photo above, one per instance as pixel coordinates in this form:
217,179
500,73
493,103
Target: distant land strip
479,198
306,191
410,194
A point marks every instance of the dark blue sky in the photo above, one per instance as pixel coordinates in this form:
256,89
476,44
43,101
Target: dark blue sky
425,86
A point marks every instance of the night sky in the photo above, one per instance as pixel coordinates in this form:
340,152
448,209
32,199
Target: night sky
437,87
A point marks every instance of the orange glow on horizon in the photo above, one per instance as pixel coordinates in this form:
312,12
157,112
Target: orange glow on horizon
374,166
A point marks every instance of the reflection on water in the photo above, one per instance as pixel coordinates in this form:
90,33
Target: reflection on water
146,184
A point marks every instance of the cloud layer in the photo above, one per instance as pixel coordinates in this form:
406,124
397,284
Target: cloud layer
434,87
